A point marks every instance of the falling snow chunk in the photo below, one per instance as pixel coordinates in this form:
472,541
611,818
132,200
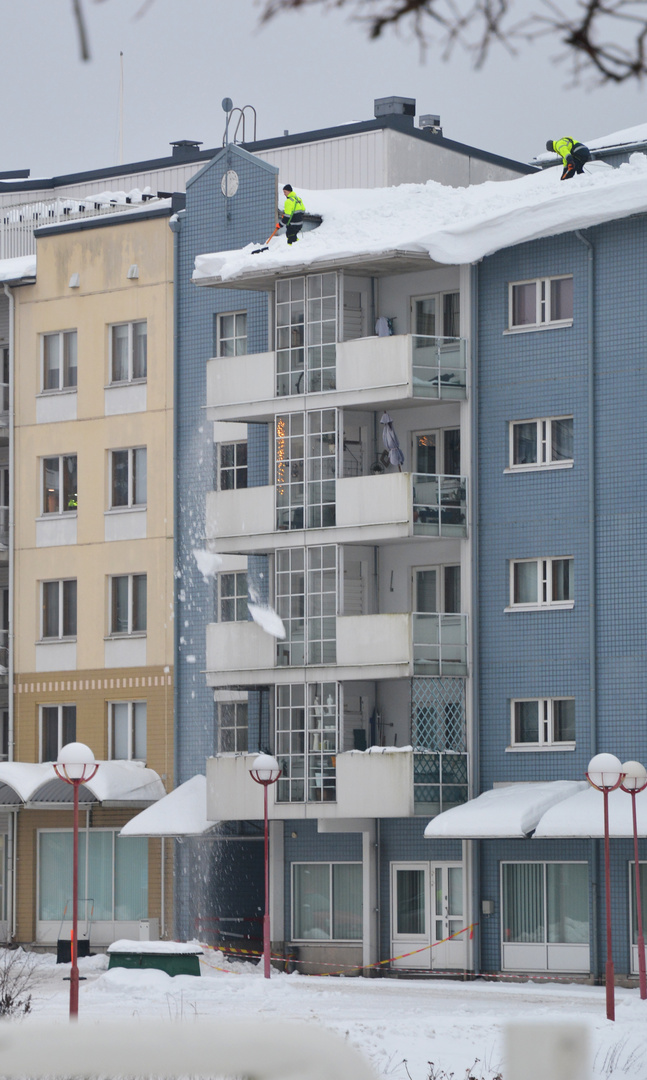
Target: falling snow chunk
267,619
190,659
208,562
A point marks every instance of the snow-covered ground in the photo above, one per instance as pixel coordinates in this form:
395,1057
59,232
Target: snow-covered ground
399,1025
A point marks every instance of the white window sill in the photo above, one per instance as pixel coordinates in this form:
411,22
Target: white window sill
534,327
126,382
563,605
114,510
548,467
56,392
57,640
539,748
64,515
125,637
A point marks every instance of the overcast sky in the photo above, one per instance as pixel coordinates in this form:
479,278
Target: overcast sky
305,70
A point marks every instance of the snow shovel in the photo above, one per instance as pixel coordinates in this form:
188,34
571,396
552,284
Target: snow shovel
276,228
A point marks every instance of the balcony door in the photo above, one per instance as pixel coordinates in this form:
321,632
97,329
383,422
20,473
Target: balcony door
427,908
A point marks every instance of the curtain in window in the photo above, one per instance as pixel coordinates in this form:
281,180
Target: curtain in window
525,583
99,881
524,304
120,746
524,439
347,901
562,439
410,901
140,493
562,579
567,891
643,899
120,478
139,734
311,916
69,359
131,878
140,345
119,353
561,299
523,902
52,361
55,875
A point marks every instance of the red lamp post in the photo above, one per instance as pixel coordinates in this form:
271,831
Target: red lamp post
635,780
75,765
605,774
266,770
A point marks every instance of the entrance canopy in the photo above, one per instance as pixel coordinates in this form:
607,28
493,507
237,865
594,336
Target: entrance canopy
583,816
180,813
115,783
511,811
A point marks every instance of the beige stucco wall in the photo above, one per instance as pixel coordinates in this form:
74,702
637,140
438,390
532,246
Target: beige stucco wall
101,257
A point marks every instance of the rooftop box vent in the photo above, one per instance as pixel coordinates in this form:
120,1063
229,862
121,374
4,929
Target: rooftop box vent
185,149
394,106
430,122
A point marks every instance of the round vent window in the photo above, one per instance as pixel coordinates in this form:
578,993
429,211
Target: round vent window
229,183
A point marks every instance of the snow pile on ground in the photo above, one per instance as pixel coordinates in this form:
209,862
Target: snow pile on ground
451,225
398,1025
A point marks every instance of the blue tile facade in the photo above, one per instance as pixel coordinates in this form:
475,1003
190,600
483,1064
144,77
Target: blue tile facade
535,514
211,222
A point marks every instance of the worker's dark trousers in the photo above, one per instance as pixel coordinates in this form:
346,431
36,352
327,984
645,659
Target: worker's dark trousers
294,227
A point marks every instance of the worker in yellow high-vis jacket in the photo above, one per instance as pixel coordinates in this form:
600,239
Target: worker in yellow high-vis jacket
574,154
292,214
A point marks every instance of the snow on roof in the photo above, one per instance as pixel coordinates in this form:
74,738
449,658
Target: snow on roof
514,810
183,812
583,816
114,781
450,225
16,269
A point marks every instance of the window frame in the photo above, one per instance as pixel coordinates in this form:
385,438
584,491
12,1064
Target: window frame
542,305
130,632
237,727
63,386
546,725
544,585
130,504
83,837
331,864
236,597
440,314
61,740
544,446
132,722
61,635
111,353
235,469
61,511
544,863
220,337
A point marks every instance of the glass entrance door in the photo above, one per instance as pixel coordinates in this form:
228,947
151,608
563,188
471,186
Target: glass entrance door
427,907
447,891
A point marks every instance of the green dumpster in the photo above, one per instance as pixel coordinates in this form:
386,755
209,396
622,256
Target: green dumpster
173,957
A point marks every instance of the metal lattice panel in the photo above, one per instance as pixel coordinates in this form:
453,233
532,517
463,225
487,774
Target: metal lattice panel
438,714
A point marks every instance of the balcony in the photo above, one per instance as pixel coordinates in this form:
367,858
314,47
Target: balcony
375,372
384,646
367,508
384,782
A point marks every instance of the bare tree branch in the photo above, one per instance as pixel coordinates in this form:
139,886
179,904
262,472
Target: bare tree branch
81,29
608,37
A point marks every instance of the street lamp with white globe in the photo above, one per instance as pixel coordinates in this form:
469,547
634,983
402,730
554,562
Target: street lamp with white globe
266,770
75,765
635,780
605,773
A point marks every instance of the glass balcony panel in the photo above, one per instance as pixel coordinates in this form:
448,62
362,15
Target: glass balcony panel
439,644
438,367
439,505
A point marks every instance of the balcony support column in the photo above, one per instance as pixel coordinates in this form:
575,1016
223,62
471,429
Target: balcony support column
370,951
277,879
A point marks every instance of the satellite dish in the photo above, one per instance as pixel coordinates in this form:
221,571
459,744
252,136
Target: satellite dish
227,104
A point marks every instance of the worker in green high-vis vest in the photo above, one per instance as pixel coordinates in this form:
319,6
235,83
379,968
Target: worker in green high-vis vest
292,214
574,154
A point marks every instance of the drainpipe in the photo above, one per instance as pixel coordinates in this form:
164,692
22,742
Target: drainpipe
175,224
12,488
474,846
590,450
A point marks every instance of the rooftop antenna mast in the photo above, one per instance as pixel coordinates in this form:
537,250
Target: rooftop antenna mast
121,109
227,106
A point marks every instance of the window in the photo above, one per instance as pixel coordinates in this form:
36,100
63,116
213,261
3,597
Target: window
128,478
307,739
60,494
545,903
306,332
128,604
4,741
128,352
537,443
435,316
318,495
233,597
327,901
233,465
306,601
438,589
58,606
57,728
231,334
4,631
540,583
541,722
114,867
59,360
127,730
643,898
4,383
540,303
232,727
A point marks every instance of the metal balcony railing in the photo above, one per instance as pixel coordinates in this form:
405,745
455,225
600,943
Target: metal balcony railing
439,643
440,781
439,367
439,505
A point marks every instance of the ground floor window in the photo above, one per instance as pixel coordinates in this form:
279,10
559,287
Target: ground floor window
643,899
327,901
113,876
545,916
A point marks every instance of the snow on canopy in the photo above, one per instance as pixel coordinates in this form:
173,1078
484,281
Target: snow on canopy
123,781
24,266
583,816
183,812
451,225
513,810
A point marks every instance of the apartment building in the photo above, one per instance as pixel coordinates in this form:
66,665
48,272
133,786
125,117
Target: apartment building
92,550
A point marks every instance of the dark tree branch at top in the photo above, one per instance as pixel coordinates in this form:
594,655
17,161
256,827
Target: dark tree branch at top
607,37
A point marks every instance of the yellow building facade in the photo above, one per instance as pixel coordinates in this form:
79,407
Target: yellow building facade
93,573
